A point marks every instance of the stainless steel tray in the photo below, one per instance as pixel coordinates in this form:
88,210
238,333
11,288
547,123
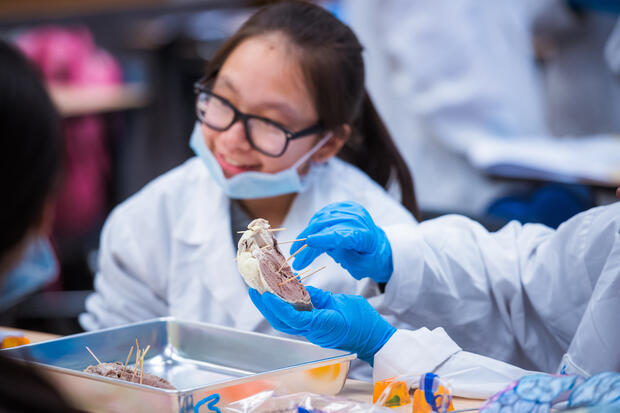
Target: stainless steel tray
199,359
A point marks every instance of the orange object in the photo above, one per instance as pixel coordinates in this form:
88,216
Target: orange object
14,341
398,396
421,406
326,373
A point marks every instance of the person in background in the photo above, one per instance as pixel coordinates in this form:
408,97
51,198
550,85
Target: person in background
453,80
537,298
29,178
284,127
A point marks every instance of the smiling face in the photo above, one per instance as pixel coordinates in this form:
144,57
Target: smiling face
262,77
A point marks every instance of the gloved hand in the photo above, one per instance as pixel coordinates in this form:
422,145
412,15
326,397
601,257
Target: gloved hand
338,321
347,233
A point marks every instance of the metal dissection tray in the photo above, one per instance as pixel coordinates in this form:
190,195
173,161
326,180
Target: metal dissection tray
201,360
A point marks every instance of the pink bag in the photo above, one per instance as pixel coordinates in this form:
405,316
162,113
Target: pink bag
70,57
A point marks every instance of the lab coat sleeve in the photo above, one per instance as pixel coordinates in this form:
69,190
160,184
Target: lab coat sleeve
594,348
126,287
516,295
421,351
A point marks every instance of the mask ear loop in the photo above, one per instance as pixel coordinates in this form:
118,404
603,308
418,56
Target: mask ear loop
312,151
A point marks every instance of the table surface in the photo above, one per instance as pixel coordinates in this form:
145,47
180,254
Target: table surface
353,389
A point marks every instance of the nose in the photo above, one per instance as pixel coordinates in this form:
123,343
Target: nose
234,139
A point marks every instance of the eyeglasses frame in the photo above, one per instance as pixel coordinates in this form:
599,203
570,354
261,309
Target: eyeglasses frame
201,87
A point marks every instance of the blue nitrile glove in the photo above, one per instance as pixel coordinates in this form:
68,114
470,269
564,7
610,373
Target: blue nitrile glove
338,321
347,233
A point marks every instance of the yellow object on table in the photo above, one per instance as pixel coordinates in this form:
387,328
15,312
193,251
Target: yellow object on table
399,393
399,396
14,341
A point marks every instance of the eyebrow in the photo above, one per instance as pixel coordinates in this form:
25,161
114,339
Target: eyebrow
226,82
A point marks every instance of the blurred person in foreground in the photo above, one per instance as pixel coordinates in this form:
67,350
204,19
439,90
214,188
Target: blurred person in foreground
29,176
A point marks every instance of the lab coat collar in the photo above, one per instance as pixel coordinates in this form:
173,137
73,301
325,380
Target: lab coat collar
204,230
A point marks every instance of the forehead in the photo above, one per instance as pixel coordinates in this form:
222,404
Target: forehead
266,68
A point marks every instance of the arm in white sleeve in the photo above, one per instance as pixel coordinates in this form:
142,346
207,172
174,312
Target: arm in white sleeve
594,348
423,351
126,286
516,295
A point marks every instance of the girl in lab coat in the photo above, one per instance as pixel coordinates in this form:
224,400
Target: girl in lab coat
279,101
527,295
29,177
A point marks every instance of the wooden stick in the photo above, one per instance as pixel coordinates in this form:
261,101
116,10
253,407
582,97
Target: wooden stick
128,357
135,369
303,272
296,276
142,362
294,240
312,273
303,278
289,258
93,354
147,349
141,367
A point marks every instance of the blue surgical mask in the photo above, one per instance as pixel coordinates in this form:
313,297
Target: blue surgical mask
250,185
37,269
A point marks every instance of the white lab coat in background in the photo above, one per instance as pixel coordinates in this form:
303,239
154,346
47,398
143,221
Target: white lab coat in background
445,74
582,93
518,295
168,250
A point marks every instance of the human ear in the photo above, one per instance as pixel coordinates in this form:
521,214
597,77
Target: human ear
333,145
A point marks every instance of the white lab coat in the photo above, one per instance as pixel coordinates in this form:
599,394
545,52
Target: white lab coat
518,295
168,250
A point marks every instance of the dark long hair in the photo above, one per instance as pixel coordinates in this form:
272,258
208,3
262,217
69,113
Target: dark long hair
29,173
31,147
330,57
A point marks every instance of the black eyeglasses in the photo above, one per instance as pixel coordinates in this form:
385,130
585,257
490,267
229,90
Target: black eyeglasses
264,135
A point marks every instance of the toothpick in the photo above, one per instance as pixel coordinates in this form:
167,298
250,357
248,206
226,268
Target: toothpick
128,357
303,278
142,362
289,258
303,272
135,370
312,273
293,240
296,276
141,367
93,354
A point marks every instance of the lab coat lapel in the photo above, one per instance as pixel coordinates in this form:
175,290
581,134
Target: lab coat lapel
206,245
